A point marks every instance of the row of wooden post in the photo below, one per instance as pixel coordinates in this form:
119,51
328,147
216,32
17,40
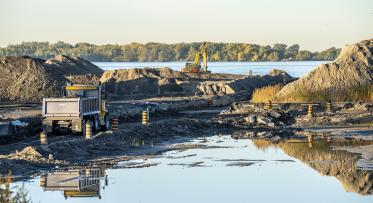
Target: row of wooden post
328,108
88,127
310,137
310,107
145,115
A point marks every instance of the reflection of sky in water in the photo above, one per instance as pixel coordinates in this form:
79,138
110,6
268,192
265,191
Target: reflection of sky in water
267,181
294,68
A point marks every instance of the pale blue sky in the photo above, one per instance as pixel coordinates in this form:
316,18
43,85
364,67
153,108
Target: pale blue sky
314,24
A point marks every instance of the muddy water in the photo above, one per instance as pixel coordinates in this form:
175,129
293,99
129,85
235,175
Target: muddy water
224,170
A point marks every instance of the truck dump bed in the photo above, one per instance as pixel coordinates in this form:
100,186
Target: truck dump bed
70,107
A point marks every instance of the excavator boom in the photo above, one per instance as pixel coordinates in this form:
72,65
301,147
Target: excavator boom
204,55
197,59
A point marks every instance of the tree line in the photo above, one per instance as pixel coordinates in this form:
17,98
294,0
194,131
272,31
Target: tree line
137,52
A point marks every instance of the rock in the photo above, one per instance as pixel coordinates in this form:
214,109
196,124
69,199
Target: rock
348,105
264,134
29,151
359,106
274,114
271,124
250,120
243,135
275,138
265,121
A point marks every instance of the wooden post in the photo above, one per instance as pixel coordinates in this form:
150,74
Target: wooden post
115,124
43,138
88,130
329,139
329,106
310,138
310,110
269,105
145,119
209,102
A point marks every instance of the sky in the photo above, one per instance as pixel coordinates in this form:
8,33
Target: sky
313,24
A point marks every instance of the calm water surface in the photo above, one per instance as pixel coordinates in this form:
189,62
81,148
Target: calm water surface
227,171
294,68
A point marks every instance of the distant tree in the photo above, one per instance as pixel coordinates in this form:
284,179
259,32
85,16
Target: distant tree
327,55
291,52
255,57
303,55
168,52
274,56
280,50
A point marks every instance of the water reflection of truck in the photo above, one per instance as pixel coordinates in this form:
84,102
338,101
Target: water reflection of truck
74,183
79,105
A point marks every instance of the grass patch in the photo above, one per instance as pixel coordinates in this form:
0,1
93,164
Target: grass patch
264,94
357,93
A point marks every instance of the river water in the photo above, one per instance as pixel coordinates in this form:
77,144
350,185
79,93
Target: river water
225,170
294,68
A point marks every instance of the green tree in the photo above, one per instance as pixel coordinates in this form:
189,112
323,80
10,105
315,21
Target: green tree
291,52
274,56
167,52
303,55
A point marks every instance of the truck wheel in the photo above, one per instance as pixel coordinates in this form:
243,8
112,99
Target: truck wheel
96,122
107,124
83,127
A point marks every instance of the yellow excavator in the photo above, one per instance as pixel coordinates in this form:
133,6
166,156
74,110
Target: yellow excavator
196,67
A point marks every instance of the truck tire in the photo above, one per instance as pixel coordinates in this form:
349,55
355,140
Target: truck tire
107,123
83,127
96,123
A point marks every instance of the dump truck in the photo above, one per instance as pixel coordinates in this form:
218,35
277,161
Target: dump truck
79,105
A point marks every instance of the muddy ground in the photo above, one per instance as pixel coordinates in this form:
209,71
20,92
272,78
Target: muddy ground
135,140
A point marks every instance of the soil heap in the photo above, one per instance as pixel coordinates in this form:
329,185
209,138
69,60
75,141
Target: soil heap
350,74
245,84
143,81
27,79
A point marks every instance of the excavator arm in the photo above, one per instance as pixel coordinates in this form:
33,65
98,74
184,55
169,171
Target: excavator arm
197,59
204,55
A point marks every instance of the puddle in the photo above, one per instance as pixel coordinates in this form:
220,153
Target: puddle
220,170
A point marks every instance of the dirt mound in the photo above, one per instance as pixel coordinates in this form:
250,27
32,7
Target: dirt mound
66,65
26,79
89,79
245,84
168,85
351,73
136,73
142,81
28,153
